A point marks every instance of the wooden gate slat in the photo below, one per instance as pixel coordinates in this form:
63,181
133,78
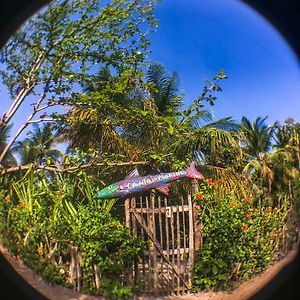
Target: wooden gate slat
161,261
143,239
178,245
150,270
154,254
184,256
191,241
158,247
172,242
167,246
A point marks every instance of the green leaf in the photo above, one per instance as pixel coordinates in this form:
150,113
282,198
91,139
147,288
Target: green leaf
170,129
215,269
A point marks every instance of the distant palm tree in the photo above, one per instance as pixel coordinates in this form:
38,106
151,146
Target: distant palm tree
256,139
9,159
165,93
37,147
286,163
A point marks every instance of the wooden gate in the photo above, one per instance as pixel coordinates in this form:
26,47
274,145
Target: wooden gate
167,227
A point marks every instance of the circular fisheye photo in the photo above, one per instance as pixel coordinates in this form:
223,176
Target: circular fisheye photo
149,150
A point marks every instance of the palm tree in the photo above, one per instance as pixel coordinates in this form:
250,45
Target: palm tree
9,159
202,137
286,163
37,147
256,139
165,89
94,122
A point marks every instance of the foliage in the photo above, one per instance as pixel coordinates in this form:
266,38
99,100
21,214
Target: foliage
37,147
9,159
42,218
240,236
105,242
122,110
64,46
151,123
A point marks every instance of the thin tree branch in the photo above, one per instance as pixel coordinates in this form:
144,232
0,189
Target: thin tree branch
4,171
41,120
22,93
28,121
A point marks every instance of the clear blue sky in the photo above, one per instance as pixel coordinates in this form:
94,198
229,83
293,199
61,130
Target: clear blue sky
196,38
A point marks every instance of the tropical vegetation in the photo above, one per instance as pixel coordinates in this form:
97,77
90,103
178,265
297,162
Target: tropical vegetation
84,69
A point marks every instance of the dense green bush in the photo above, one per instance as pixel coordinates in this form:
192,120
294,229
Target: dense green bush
240,237
42,219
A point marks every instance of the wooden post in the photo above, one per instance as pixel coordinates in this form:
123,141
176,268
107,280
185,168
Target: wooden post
197,221
153,250
151,245
78,269
127,212
173,244
191,241
168,248
72,270
178,248
96,276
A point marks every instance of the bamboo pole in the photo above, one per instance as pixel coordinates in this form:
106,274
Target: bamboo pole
134,233
143,238
191,241
173,244
127,212
178,248
150,271
161,261
167,248
97,277
184,256
154,252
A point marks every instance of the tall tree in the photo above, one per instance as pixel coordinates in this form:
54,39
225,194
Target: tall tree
287,147
165,89
59,48
256,139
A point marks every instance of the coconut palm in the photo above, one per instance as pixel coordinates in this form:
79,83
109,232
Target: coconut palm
165,89
94,122
37,147
286,162
204,137
256,139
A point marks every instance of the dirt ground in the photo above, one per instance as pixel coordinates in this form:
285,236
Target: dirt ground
244,291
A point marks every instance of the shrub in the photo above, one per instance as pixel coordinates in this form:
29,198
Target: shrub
41,221
240,237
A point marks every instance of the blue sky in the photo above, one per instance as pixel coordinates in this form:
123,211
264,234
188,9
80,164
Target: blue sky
196,38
